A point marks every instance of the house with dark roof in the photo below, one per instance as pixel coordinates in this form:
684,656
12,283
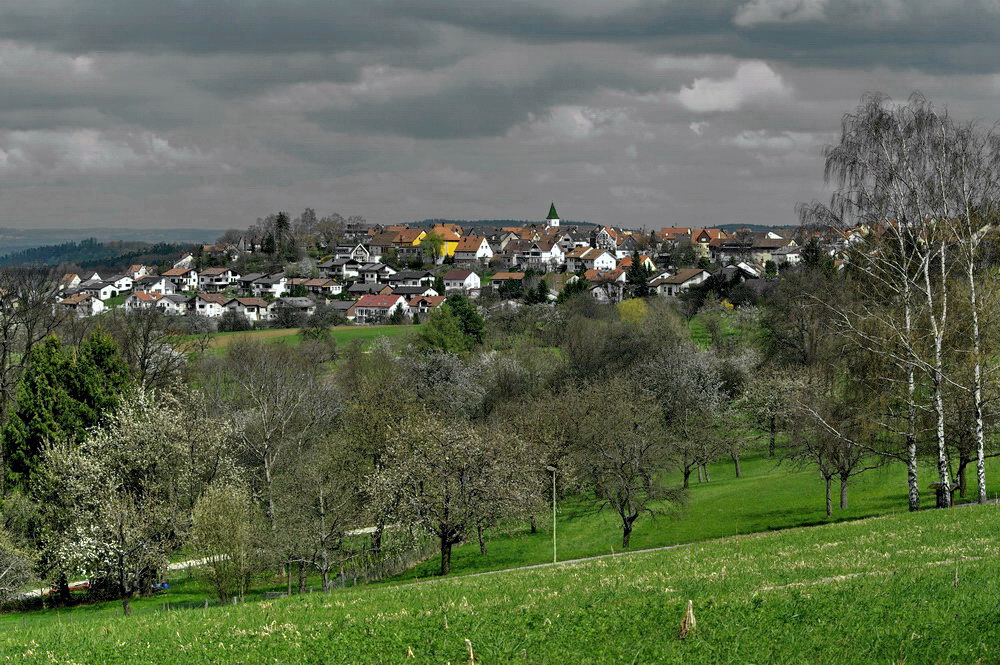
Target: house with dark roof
461,280
413,291
683,280
82,304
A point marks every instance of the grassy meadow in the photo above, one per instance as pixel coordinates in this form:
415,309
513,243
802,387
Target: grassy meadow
342,335
771,495
904,588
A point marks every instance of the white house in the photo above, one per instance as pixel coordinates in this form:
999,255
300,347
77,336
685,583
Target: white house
174,304
121,282
590,258
544,255
212,305
139,300
682,281
184,279
461,280
372,273
473,249
154,284
214,280
377,309
255,309
100,290
186,261
273,285
82,304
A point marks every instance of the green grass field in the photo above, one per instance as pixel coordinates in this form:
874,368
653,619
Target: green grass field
769,496
907,588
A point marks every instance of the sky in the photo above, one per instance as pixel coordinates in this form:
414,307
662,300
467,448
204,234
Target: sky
636,113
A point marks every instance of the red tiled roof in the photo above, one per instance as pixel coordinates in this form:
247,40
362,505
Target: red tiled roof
469,244
372,300
176,272
500,276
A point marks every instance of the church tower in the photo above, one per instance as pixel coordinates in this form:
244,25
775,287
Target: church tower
553,218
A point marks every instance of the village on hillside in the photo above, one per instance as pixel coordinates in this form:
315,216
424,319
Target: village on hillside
374,274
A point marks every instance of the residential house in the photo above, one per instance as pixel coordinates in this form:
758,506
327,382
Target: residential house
139,300
98,289
683,280
411,278
212,305
323,287
424,304
215,280
704,239
299,305
508,281
137,270
604,237
184,279
186,261
361,289
340,268
342,307
414,291
270,285
644,260
69,281
175,304
461,280
541,255
377,309
590,258
473,249
154,284
82,304
120,282
371,273
359,253
254,309
245,282
625,245
406,242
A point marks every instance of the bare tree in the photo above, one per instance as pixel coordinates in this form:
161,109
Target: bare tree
449,476
27,316
623,451
905,173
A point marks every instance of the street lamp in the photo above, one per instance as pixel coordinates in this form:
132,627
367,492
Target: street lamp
553,470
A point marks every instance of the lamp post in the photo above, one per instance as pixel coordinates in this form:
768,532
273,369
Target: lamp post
553,470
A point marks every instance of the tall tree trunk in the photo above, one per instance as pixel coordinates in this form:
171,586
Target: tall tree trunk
480,532
534,525
445,556
687,477
736,463
707,479
126,605
63,583
627,531
963,462
288,573
700,476
772,440
843,492
377,539
302,576
829,499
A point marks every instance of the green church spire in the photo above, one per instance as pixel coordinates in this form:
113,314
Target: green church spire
552,212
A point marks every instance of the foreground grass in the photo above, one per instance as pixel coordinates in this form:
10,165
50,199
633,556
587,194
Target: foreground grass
770,496
880,590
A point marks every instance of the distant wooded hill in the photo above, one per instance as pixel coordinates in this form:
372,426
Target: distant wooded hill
93,254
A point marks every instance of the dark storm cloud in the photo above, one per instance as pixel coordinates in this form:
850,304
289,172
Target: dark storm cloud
634,111
208,26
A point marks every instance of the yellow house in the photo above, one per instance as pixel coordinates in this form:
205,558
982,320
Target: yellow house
449,238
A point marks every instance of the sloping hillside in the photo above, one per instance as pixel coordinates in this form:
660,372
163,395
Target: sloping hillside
912,588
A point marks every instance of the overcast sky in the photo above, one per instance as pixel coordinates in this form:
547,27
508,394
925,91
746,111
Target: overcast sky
211,113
